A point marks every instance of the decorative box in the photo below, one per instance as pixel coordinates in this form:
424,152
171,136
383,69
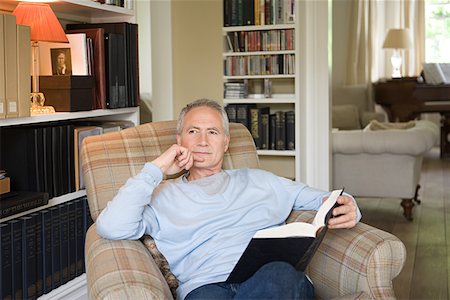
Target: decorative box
68,93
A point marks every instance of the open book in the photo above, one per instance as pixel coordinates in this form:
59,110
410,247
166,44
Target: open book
294,243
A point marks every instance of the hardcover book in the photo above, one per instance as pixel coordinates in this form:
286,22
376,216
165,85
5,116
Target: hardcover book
294,243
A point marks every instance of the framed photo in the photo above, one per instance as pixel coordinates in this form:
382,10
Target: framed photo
61,61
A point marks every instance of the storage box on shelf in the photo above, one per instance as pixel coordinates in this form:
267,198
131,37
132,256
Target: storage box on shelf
69,11
261,77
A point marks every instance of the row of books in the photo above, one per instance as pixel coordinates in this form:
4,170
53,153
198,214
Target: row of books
43,250
258,12
46,158
15,64
259,65
260,40
239,89
270,130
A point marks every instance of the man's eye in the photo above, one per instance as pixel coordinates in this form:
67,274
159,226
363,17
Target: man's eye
213,132
191,131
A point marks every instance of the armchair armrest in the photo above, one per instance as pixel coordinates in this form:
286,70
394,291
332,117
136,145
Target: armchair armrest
361,259
122,270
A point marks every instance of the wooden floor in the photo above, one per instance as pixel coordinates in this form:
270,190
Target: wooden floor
425,274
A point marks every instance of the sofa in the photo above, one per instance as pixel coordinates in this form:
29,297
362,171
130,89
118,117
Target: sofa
383,162
357,263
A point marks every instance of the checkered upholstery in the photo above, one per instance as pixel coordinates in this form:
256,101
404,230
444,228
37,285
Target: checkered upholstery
354,264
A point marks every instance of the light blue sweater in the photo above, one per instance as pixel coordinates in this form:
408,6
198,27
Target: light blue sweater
202,236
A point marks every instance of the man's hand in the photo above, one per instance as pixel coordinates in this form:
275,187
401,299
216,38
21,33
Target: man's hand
344,216
174,160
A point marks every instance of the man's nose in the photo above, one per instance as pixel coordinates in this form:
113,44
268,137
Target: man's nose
203,139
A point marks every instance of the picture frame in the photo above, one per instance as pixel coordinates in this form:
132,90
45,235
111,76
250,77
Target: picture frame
61,59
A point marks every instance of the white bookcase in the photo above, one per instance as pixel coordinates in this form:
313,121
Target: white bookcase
284,94
69,11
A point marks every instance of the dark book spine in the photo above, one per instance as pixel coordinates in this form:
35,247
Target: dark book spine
243,114
21,203
70,158
39,253
231,112
264,128
280,132
87,223
254,126
290,130
249,12
272,131
6,261
17,249
56,247
226,13
47,160
79,235
56,161
64,241
71,209
29,257
63,160
46,229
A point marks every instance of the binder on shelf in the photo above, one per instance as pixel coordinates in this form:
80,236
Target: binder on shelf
29,257
56,162
47,160
23,70
2,70
10,38
6,261
115,71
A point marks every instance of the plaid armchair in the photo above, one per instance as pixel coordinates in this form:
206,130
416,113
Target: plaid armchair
350,263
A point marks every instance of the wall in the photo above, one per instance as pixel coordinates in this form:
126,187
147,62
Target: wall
341,13
197,51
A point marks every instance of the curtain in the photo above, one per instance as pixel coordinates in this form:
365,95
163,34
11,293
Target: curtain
369,23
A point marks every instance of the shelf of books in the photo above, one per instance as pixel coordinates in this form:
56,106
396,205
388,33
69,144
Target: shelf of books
44,213
261,74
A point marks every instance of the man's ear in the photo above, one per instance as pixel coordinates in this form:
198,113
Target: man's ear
178,139
227,143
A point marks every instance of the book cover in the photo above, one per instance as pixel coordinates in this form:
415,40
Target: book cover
75,55
23,70
70,158
17,249
39,253
16,202
56,162
47,160
64,159
265,128
98,43
116,90
56,247
280,131
294,243
29,257
290,130
6,261
272,131
2,70
46,230
11,84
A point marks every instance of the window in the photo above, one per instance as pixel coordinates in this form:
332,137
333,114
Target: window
437,39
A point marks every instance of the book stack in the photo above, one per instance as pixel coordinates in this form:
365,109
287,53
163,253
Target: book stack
283,64
15,64
270,130
43,250
258,12
261,40
236,90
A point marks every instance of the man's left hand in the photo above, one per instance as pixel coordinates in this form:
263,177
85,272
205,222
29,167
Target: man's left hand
345,215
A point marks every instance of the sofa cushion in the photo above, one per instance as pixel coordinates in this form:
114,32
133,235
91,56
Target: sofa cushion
345,117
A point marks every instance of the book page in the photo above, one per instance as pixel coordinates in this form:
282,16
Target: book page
319,219
293,229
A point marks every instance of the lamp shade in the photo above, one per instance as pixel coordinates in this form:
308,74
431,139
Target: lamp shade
398,39
42,21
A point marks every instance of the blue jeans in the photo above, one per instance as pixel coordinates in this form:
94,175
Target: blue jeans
275,280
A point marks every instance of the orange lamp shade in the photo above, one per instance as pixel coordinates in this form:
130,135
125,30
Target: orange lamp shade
44,25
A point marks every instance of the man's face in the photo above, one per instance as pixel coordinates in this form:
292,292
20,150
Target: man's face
203,134
61,59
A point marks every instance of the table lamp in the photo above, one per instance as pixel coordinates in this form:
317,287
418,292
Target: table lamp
397,39
45,27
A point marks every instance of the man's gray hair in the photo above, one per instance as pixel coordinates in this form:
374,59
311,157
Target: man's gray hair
203,103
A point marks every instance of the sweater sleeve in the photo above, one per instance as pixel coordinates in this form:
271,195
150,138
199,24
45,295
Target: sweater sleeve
123,217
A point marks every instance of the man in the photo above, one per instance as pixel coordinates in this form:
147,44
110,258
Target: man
61,67
203,221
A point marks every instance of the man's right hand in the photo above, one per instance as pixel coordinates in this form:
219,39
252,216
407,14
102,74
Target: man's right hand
174,160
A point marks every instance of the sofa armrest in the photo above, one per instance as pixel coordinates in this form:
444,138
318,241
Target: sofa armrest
122,270
361,259
368,116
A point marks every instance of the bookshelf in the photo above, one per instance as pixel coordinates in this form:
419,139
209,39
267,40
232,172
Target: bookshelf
70,11
249,55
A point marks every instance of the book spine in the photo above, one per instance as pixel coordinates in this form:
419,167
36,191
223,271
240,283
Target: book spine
64,242
46,229
17,249
18,205
6,261
290,130
280,131
39,253
264,128
231,112
272,131
79,235
23,70
56,247
28,257
2,70
72,239
47,160
11,84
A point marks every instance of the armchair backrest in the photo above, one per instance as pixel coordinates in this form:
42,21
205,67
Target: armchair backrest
108,160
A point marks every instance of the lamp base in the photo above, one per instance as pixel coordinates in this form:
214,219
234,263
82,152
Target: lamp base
396,61
37,105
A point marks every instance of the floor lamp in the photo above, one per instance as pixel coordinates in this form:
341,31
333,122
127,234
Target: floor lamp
397,39
44,27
